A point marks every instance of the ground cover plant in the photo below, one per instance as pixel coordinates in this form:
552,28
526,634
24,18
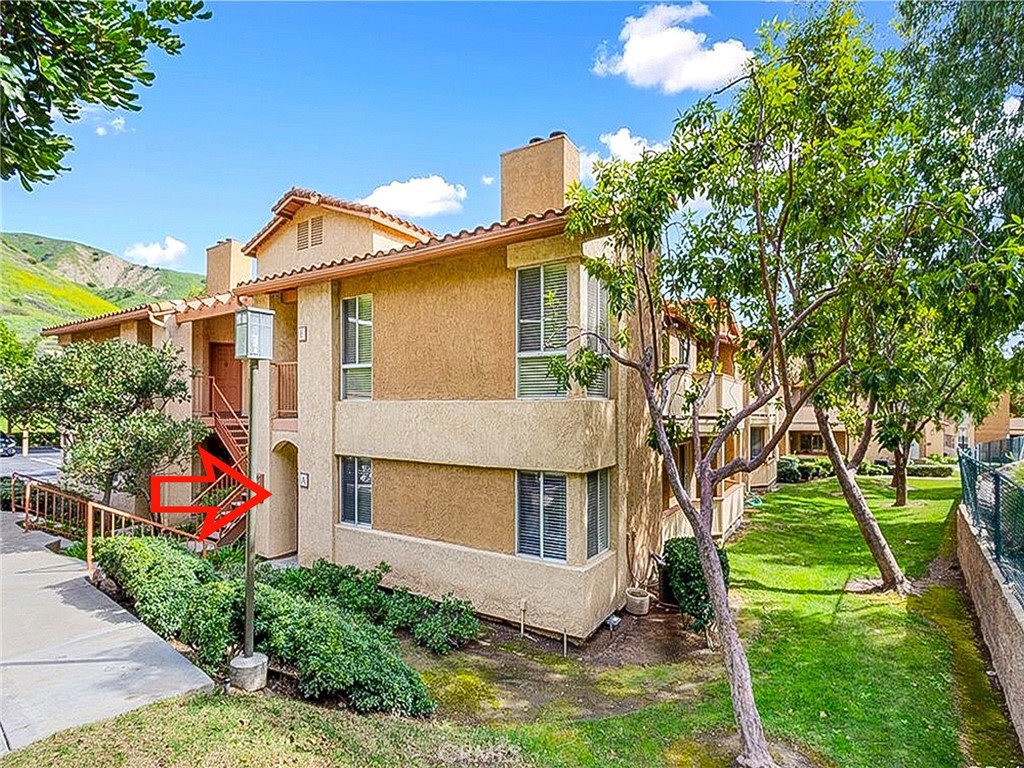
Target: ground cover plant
852,679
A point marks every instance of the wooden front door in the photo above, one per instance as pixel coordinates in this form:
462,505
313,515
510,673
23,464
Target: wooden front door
227,373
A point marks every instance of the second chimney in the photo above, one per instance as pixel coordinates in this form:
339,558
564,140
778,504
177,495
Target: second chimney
534,178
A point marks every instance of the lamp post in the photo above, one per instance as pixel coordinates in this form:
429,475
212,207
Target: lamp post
254,341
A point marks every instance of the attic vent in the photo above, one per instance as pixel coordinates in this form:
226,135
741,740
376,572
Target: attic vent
316,231
303,235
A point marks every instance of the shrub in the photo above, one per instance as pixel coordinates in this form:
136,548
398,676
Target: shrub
928,469
5,493
159,577
940,458
75,549
813,469
447,625
227,558
207,625
687,580
871,469
788,469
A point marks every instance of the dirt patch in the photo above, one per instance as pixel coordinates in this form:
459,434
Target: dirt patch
720,750
508,677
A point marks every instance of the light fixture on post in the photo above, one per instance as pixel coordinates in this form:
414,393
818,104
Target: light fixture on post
254,341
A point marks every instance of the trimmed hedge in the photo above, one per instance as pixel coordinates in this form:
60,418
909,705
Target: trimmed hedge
159,576
793,469
871,469
437,626
687,580
929,469
788,469
336,654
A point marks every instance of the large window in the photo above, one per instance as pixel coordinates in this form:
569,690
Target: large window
356,490
540,515
597,512
543,297
597,326
357,347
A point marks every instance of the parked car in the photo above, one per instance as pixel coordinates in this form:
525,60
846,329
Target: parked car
8,446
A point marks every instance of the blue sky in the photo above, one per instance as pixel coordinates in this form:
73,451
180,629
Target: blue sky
346,98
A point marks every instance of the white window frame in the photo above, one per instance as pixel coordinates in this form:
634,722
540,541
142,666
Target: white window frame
602,387
542,353
604,484
540,531
345,367
355,491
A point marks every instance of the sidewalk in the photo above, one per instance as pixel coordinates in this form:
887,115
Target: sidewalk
69,655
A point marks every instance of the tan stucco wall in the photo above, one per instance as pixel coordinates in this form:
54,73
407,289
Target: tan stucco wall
576,435
100,334
226,266
556,597
388,239
461,505
318,390
996,425
534,178
280,512
444,330
344,235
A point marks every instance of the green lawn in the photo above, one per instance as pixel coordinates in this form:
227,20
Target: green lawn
852,680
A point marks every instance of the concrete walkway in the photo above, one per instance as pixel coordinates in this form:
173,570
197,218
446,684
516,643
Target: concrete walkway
69,655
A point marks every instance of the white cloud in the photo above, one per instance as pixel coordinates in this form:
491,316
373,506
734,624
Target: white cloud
420,196
487,180
157,254
622,145
117,125
658,51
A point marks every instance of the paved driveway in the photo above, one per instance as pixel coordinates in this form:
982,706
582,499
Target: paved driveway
69,655
41,463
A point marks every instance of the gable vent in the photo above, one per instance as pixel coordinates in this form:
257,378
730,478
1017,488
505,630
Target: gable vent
316,231
302,233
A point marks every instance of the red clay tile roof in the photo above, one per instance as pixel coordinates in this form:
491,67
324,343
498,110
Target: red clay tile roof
166,307
554,218
299,196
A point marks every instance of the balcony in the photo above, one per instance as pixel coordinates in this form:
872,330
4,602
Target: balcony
727,511
564,435
726,394
286,390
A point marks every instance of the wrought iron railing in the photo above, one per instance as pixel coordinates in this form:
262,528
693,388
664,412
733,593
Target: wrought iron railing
1001,451
996,504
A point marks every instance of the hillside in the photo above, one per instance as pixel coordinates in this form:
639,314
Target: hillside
44,281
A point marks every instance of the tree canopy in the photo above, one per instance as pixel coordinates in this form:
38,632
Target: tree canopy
58,57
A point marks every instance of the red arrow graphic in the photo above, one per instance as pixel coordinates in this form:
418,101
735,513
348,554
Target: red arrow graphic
257,494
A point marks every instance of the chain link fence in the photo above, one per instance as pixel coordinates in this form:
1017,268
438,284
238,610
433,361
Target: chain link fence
996,503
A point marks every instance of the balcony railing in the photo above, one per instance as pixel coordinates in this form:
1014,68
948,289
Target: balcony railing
286,380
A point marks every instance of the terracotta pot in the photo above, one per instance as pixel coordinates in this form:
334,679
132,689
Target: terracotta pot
638,601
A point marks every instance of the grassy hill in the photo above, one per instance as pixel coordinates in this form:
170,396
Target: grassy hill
44,281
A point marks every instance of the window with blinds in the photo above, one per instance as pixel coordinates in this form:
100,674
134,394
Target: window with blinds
356,491
357,347
597,327
598,536
541,515
542,315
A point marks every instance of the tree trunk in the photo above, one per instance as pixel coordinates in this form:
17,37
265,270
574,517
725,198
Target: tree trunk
106,496
865,439
753,744
899,476
892,574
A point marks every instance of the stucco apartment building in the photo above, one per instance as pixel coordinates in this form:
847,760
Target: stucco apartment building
408,415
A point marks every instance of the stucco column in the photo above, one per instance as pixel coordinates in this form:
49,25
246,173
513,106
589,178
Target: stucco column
259,426
318,375
178,494
576,519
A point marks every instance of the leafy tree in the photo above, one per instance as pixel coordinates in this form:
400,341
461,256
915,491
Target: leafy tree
806,173
108,400
15,356
56,57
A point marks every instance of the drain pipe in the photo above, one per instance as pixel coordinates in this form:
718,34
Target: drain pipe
522,617
565,643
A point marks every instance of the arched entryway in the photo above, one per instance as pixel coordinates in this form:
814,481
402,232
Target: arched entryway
284,503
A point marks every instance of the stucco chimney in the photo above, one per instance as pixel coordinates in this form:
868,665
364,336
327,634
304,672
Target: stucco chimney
226,266
534,177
